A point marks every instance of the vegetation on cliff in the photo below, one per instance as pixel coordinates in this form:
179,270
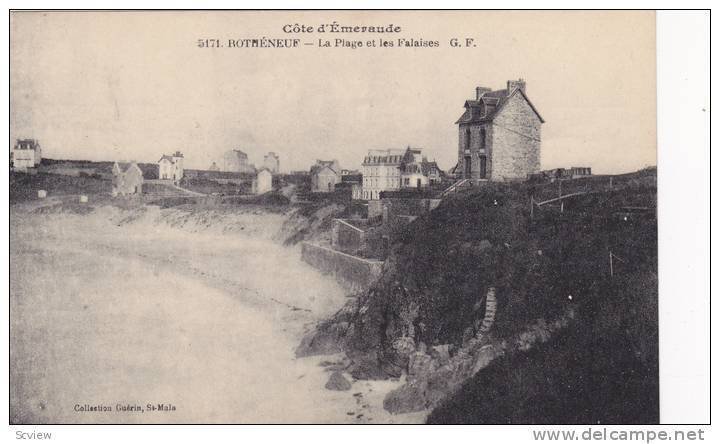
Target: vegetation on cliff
435,280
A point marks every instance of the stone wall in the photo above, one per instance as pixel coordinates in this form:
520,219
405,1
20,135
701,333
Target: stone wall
393,207
515,141
352,273
347,237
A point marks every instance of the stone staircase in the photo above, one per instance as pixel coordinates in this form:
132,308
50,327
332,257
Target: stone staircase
456,186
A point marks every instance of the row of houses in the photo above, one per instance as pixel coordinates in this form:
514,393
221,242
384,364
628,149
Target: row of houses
392,170
499,138
127,178
382,170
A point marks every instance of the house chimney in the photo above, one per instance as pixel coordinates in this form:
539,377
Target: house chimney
480,90
512,85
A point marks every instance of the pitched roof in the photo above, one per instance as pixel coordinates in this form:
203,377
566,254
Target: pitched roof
319,167
320,164
429,166
26,144
493,101
124,167
166,157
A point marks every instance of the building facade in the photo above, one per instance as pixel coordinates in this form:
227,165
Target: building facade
352,180
25,154
381,172
127,179
392,170
417,172
263,181
271,161
324,175
171,167
499,135
236,161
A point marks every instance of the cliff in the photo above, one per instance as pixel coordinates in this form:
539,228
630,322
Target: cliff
550,278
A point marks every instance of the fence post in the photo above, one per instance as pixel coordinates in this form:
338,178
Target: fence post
532,207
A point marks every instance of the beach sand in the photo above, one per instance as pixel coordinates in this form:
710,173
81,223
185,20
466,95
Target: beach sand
159,309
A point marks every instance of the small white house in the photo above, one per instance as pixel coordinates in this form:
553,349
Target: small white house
263,181
171,167
26,154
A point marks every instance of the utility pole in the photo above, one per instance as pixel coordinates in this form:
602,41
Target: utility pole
611,265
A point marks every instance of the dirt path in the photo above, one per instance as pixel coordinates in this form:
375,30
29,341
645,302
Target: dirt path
142,313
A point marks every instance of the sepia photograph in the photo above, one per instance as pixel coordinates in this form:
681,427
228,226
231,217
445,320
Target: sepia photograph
333,217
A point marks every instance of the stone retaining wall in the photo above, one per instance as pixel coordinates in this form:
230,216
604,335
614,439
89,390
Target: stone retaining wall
352,272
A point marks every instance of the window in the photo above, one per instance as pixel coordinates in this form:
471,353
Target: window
468,137
482,138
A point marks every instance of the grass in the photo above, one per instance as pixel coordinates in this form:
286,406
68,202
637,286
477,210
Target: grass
209,186
25,187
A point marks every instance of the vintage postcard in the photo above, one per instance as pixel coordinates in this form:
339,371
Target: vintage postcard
330,217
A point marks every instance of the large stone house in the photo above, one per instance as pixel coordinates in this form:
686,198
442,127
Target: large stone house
126,179
381,172
236,161
171,167
499,135
25,154
324,175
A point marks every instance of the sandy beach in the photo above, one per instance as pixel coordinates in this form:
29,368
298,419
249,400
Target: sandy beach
164,317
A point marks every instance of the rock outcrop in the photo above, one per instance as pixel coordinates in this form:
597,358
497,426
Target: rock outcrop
431,378
338,382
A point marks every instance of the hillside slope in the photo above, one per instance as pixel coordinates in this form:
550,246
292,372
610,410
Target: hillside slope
552,268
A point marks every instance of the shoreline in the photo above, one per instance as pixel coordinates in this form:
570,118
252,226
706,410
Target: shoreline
144,252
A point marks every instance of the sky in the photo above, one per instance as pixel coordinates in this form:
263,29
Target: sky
135,85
